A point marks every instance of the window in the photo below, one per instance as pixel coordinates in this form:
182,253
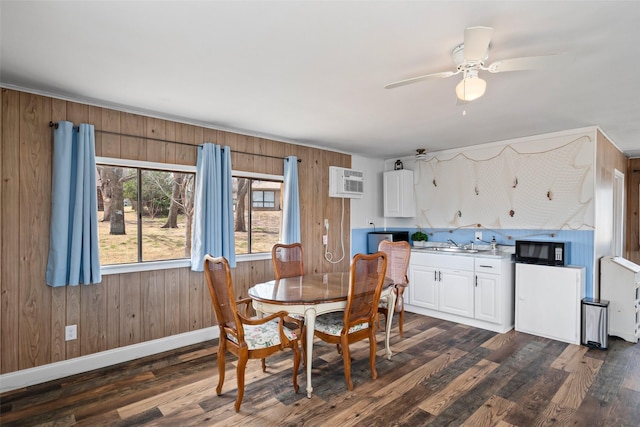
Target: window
264,199
257,212
145,211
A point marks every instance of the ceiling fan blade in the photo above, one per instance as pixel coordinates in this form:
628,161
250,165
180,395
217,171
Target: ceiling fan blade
530,62
476,42
442,75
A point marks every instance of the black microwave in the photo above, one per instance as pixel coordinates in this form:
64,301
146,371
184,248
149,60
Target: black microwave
375,237
542,253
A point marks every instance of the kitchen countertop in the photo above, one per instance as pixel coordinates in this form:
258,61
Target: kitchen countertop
483,251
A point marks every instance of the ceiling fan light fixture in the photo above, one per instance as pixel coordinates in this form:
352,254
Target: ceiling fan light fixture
471,87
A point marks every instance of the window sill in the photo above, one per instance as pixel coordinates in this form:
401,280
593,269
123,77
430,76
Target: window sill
253,257
166,265
144,266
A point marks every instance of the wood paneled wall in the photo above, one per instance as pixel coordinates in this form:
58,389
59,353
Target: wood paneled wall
632,236
125,308
608,159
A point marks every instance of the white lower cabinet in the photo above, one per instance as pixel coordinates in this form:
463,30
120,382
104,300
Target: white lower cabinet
487,297
490,290
476,291
445,283
425,295
456,292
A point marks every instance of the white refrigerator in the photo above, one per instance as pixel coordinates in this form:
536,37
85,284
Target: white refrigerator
548,301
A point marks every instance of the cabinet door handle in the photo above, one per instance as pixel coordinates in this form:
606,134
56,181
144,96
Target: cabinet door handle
439,276
476,281
485,266
435,275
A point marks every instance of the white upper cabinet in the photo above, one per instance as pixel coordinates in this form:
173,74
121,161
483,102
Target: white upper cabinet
398,194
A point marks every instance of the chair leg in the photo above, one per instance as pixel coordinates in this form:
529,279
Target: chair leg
346,357
303,341
296,364
372,352
378,327
221,355
401,320
242,364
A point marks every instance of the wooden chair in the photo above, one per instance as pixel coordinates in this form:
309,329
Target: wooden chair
287,260
398,254
357,321
247,338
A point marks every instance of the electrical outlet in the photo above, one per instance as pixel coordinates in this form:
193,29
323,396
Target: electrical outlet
326,224
478,235
325,239
70,332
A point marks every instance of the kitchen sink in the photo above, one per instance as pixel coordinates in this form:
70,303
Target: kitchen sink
453,250
459,250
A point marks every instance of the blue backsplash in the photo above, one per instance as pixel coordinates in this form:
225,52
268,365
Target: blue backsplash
581,242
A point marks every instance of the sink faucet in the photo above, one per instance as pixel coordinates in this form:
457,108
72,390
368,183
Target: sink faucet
452,242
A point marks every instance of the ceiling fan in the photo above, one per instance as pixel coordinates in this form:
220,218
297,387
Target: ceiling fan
470,58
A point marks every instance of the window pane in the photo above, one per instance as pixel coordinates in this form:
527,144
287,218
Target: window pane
117,226
269,199
166,208
163,216
265,230
257,199
265,221
240,187
257,219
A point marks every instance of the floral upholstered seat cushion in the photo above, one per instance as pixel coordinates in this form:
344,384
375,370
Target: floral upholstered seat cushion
263,336
332,324
383,304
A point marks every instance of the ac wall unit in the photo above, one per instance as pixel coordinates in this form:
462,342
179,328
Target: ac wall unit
345,183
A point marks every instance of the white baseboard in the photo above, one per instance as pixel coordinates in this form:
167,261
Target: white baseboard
500,328
53,371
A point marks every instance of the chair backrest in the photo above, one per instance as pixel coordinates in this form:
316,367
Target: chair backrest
287,260
398,254
365,286
220,285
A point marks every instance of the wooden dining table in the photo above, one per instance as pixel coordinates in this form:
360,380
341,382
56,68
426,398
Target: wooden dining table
311,295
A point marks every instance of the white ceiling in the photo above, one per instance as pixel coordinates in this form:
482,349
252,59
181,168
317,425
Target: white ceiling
313,72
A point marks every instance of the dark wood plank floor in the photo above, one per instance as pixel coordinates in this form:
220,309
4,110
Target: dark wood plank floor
442,373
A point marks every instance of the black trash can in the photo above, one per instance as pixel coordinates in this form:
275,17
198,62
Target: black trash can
595,323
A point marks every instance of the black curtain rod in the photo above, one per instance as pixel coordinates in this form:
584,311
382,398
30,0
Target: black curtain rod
55,126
